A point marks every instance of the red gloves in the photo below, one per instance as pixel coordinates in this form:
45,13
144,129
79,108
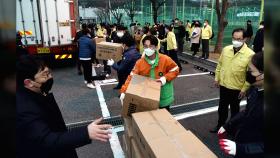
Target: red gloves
228,146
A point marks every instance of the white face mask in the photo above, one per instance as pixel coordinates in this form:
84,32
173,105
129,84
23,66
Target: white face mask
237,44
261,26
149,52
120,34
204,24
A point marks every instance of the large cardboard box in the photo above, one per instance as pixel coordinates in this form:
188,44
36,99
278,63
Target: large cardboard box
135,151
159,135
108,50
142,94
98,40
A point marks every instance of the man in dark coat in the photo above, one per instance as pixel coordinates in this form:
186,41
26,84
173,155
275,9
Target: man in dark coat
130,56
259,39
247,127
41,130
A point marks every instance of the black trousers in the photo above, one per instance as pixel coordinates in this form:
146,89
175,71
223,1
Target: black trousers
107,68
173,55
228,97
122,78
87,70
205,48
180,43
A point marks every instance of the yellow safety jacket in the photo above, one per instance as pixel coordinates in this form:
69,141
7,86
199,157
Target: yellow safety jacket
231,68
206,32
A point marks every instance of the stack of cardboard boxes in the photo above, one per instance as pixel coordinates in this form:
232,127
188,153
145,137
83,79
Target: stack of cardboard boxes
142,94
150,132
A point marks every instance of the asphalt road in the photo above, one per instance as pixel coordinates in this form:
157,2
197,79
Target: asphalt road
79,103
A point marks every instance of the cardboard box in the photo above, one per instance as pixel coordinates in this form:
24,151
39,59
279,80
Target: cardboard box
159,135
142,94
126,147
108,50
98,40
135,151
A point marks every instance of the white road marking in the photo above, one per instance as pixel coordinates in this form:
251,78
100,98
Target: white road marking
195,74
201,101
114,141
202,111
105,84
109,80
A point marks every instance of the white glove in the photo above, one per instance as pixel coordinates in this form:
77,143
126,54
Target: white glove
110,62
222,133
122,97
228,146
162,80
221,130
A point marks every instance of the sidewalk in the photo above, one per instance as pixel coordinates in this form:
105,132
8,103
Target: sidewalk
212,56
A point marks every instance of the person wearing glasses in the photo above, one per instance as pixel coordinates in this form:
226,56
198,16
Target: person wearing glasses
230,76
41,130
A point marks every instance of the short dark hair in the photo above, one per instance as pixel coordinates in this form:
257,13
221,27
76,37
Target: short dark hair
27,67
262,23
169,27
152,39
84,26
153,31
120,27
258,60
239,30
128,40
206,20
146,29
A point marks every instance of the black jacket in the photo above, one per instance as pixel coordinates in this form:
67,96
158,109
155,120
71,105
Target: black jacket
130,57
41,131
249,125
259,41
179,32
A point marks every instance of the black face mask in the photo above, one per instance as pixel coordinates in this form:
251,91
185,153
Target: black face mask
47,86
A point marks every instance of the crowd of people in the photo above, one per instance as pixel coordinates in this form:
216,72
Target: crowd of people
149,51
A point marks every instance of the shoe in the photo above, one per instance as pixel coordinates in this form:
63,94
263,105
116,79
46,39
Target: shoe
214,130
90,85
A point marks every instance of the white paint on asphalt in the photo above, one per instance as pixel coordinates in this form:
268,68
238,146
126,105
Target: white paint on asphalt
109,80
195,74
105,84
114,141
202,111
201,101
